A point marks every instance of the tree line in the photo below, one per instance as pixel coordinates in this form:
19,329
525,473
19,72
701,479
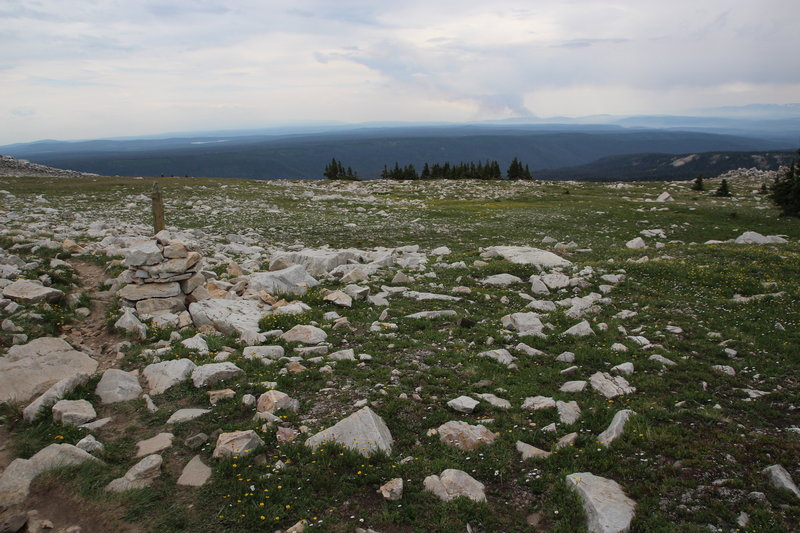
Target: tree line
488,170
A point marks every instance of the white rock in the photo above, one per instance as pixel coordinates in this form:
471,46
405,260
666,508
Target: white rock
30,292
231,317
724,369
524,323
607,508
392,490
89,444
305,334
501,280
626,369
501,355
535,403
616,427
141,475
129,322
237,443
73,412
30,369
573,386
52,395
263,352
531,452
197,343
364,432
292,280
463,404
186,415
781,479
205,375
495,401
118,386
143,253
581,329
664,197
162,376
343,355
751,237
661,359
160,442
274,400
610,386
195,473
453,484
568,412
525,255
636,244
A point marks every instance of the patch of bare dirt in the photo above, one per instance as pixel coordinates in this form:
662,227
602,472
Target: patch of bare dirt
91,335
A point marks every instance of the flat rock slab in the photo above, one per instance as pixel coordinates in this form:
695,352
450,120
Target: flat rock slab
610,386
526,255
495,401
364,432
231,317
461,435
141,475
292,280
160,442
146,291
30,369
195,474
162,376
500,355
608,509
186,415
237,443
535,403
568,412
502,280
524,323
118,386
16,479
531,452
453,484
30,292
205,375
463,404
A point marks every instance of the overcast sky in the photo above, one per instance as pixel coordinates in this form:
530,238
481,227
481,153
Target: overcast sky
100,68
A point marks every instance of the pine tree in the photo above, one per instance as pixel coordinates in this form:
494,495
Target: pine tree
723,189
515,170
785,191
698,184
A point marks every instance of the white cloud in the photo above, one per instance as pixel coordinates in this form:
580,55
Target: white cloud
117,68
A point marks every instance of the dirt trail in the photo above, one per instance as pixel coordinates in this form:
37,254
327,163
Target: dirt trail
91,335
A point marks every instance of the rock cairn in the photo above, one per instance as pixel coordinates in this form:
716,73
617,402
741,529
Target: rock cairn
162,278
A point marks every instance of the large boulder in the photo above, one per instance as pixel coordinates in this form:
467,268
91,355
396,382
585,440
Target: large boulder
230,317
364,432
316,262
30,369
524,323
608,509
30,292
305,334
16,480
205,375
292,280
526,255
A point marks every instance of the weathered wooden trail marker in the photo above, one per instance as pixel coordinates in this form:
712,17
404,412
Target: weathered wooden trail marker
158,208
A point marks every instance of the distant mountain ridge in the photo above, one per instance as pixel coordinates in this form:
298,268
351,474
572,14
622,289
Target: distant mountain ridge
367,150
660,167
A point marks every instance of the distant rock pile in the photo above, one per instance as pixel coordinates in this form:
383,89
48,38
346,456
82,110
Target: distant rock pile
752,174
11,167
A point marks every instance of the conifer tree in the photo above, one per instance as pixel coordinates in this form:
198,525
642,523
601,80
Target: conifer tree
723,190
698,184
785,191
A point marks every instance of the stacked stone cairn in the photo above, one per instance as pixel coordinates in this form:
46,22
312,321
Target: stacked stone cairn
162,279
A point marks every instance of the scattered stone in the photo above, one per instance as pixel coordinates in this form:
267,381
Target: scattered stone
751,237
310,335
130,323
524,323
162,376
531,452
464,436
431,315
274,400
781,479
525,255
197,343
724,369
205,375
73,412
237,443
661,359
463,404
30,292
141,475
195,441
535,403
343,355
160,442
610,386
195,474
502,356
339,298
607,508
566,440
566,357
364,432
453,483
501,280
118,386
581,329
568,412
214,396
573,386
636,244
626,369
185,415
494,401
392,490
52,395
89,444
616,427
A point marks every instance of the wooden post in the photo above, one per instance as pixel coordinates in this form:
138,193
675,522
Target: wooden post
158,208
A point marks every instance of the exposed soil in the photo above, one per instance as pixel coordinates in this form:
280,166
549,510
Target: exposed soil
91,335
